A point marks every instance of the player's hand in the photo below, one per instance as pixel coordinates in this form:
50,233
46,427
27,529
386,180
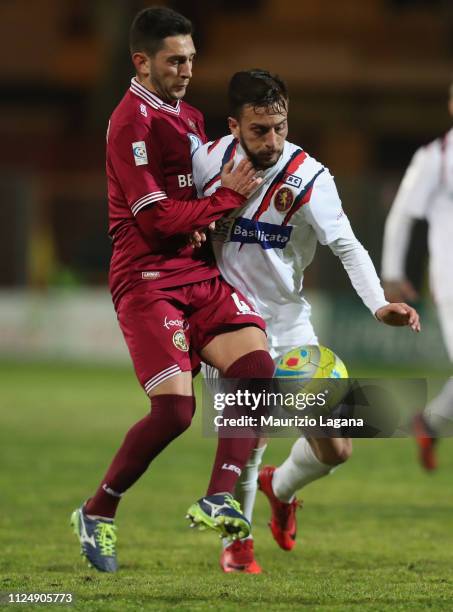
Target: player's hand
243,179
399,314
197,238
400,291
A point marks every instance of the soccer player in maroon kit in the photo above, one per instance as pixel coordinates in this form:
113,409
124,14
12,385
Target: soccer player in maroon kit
172,306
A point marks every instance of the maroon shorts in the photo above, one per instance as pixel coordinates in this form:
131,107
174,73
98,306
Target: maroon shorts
165,329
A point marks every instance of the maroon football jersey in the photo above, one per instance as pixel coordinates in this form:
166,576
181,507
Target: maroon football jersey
149,147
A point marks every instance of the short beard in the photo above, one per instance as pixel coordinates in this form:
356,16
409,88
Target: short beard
255,159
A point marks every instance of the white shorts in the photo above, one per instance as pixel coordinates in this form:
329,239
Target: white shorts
303,337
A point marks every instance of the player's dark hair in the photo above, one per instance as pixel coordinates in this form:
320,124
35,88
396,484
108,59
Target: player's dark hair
260,89
152,25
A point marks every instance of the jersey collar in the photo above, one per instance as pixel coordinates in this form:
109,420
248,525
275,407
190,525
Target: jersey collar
150,98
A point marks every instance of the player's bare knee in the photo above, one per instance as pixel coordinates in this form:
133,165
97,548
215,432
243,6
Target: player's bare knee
227,349
334,451
344,451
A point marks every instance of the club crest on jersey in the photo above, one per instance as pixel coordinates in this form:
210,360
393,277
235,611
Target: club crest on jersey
140,154
195,142
179,340
283,199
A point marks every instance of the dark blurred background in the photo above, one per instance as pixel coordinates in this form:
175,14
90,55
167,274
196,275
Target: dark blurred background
368,83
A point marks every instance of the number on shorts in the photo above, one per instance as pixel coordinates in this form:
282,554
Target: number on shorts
241,306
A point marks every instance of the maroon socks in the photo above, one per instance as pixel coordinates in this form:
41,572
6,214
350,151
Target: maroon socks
233,452
170,416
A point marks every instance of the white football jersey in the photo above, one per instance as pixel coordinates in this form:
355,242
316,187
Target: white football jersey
263,248
426,192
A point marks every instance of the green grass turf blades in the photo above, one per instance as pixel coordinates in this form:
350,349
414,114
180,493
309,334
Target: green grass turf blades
375,535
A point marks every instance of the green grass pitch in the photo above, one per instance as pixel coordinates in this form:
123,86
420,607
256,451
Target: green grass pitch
376,535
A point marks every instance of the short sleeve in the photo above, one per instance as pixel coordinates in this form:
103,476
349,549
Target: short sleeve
134,157
324,211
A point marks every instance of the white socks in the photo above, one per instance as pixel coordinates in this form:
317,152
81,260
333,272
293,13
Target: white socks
247,485
439,412
301,468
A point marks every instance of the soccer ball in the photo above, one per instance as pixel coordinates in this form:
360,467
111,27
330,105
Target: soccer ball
311,361
314,370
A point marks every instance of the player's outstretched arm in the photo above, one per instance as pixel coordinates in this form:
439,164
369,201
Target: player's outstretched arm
399,314
365,281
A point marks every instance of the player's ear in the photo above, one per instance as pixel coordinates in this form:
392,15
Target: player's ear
142,64
233,124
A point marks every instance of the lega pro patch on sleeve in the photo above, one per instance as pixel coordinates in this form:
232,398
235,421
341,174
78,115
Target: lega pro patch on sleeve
140,154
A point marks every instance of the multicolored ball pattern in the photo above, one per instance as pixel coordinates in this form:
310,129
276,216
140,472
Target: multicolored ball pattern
311,361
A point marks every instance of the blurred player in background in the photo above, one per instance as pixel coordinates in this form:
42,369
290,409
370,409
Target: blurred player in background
426,192
263,248
171,303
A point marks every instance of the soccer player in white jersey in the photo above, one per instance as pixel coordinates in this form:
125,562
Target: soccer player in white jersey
426,192
263,250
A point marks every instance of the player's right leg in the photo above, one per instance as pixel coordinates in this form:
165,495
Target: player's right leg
154,330
309,460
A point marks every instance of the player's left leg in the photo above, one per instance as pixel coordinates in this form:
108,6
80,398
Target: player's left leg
239,556
309,460
229,335
437,418
239,354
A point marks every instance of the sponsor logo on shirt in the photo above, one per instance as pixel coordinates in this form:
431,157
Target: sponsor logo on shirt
185,180
143,110
150,275
175,323
267,235
293,180
179,340
195,142
140,154
283,199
